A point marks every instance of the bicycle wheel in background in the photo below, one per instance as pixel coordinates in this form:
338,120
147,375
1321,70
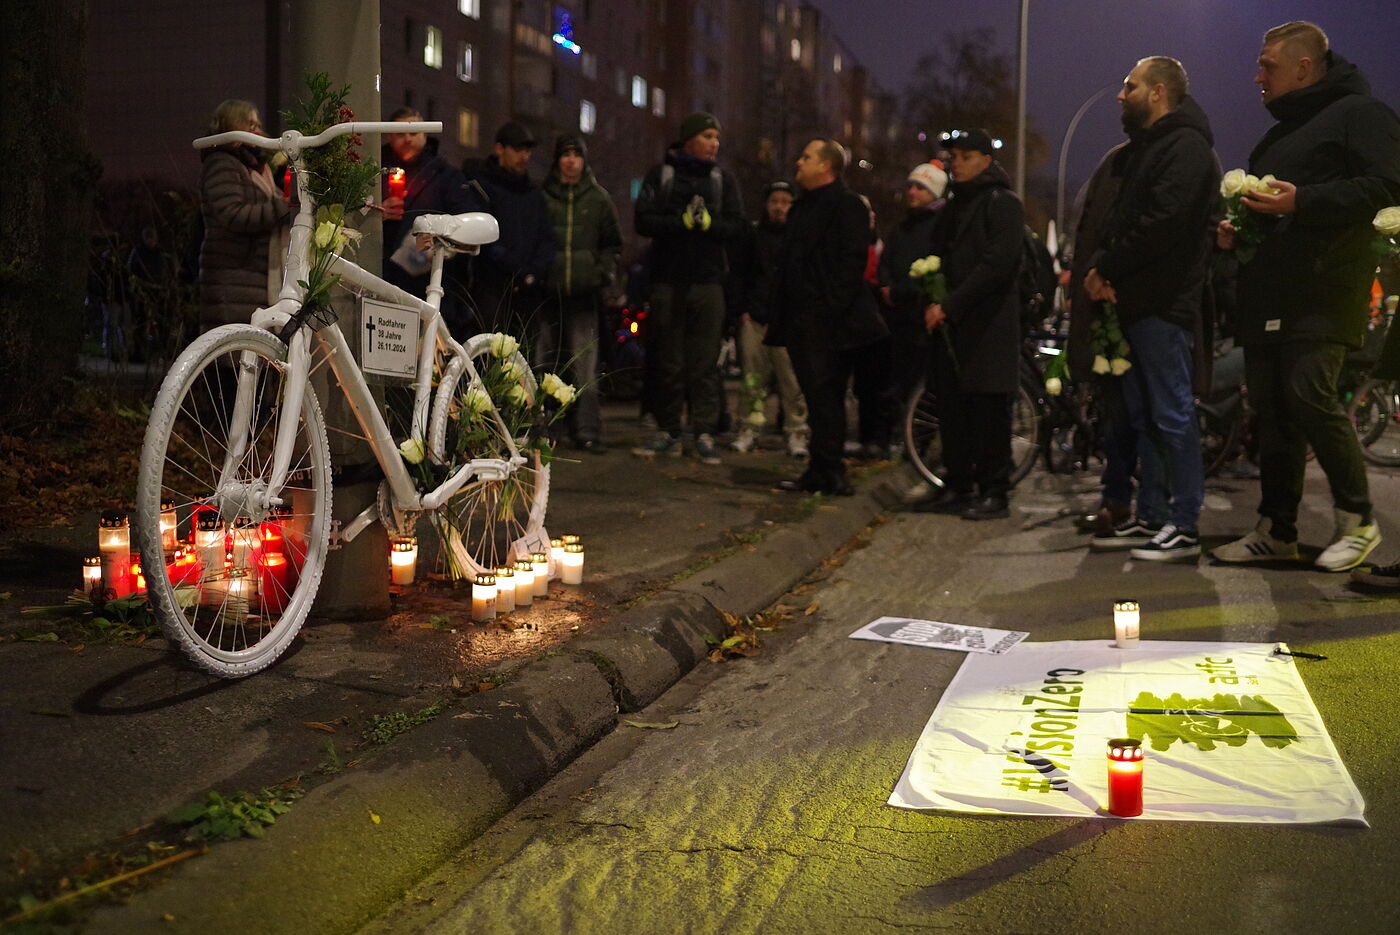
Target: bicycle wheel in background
491,521
234,602
924,447
1373,410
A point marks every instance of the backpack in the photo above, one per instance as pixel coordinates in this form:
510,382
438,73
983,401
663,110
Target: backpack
668,180
1035,281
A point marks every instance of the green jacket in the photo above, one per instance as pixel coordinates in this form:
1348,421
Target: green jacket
590,239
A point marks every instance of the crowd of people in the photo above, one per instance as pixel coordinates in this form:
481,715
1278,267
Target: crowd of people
820,308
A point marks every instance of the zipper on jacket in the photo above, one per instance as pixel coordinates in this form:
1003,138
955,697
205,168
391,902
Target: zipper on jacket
569,244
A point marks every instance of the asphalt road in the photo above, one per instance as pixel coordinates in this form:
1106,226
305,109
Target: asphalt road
764,809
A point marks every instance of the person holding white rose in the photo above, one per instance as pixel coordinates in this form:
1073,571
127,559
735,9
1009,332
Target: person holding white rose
1153,263
1303,296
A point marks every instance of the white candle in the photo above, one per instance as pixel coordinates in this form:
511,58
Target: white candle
556,557
1125,624
238,590
484,598
245,539
505,589
92,575
403,560
114,542
540,562
169,538
573,563
524,584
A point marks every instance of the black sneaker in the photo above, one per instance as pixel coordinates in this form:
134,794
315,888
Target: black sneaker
1170,545
1126,535
1380,576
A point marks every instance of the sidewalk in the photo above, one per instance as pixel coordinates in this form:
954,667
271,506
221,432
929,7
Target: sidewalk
105,738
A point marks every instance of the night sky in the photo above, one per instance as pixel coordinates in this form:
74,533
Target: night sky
1077,47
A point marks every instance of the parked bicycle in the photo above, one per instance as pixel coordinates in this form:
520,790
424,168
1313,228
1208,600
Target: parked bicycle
236,453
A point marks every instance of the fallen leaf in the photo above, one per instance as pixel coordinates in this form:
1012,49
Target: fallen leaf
77,649
456,682
467,714
648,725
374,818
49,637
485,686
318,725
750,548
168,917
50,712
811,608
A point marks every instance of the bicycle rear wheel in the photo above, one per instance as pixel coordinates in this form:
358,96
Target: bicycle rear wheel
491,521
1373,411
924,447
238,598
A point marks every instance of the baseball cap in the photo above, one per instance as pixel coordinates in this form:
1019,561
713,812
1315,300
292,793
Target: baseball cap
515,135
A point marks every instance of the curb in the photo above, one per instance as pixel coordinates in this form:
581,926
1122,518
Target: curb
330,866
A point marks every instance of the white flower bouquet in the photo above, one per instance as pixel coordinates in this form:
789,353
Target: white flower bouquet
1234,186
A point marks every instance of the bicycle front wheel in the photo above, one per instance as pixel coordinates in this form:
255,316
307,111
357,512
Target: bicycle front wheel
924,445
491,521
1373,411
245,582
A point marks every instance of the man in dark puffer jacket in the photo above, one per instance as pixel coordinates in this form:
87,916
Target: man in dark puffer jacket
1303,297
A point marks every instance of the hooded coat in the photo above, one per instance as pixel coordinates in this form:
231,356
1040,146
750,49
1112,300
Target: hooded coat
681,256
432,186
1311,276
586,227
240,217
1155,248
978,236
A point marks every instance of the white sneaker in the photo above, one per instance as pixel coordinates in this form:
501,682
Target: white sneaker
797,446
1258,546
744,441
919,490
1351,543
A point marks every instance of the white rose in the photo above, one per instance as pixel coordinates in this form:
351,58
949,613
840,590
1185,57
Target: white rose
934,264
917,268
1119,366
756,418
1232,183
1053,386
1266,184
1388,221
412,450
475,401
565,394
511,370
550,383
1251,183
516,394
325,233
503,345
1101,364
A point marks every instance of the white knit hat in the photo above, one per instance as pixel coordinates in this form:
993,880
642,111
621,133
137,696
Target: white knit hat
931,177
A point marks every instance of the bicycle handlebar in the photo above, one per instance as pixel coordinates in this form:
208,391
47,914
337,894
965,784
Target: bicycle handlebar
293,139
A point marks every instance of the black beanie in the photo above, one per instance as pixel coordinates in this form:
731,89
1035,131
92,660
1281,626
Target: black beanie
568,141
696,124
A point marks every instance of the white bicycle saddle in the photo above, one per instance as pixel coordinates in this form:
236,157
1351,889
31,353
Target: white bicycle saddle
466,230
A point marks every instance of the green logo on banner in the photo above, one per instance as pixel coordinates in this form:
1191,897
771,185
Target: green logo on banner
1205,722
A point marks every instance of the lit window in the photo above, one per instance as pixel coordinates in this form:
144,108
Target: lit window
658,102
587,116
836,64
432,48
795,50
782,13
465,62
639,91
466,127
470,8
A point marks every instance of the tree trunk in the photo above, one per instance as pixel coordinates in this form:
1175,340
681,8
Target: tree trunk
46,202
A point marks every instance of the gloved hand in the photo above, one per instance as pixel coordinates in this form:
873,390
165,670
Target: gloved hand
696,215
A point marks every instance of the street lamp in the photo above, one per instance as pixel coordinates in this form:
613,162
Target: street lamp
1023,29
1064,152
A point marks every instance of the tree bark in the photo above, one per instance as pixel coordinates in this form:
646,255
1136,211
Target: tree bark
46,202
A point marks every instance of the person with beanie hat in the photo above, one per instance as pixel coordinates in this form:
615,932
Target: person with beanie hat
590,241
901,298
691,209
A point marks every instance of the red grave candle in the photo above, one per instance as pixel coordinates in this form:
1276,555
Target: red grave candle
398,183
1125,777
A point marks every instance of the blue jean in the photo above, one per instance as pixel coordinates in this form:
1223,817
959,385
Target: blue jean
1162,409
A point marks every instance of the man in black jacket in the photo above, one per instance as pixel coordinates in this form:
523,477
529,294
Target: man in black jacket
508,275
1153,263
823,310
975,345
1302,299
691,209
430,186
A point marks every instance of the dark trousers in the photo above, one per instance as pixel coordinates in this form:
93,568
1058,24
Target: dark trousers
822,373
688,323
975,429
567,344
1293,388
874,389
1120,441
908,359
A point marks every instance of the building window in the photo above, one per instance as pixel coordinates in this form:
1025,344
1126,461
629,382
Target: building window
587,116
658,102
639,91
432,48
466,61
470,8
836,64
467,125
782,13
795,50
590,65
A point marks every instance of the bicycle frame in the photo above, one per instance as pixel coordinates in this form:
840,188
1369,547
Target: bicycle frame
341,357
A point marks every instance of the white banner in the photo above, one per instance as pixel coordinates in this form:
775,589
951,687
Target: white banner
1229,732
938,635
